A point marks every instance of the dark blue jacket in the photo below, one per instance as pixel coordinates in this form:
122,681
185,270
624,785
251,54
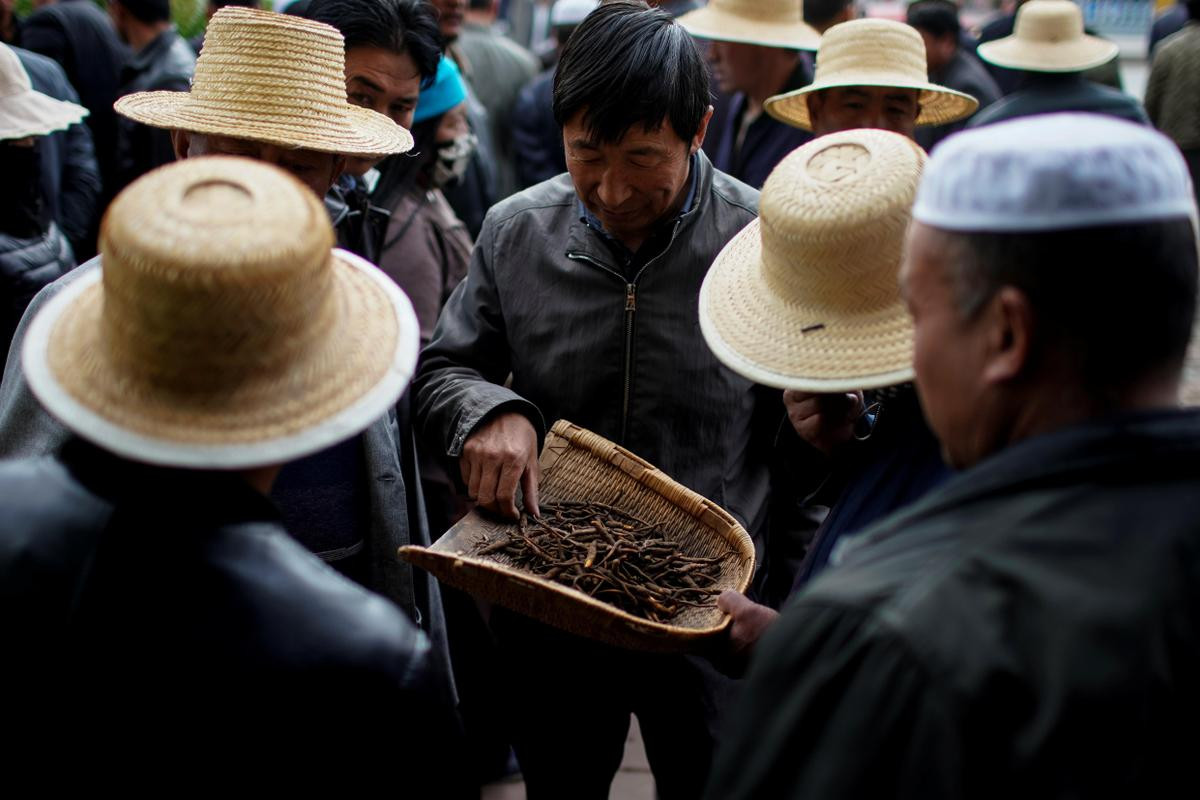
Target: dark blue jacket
767,140
70,176
537,139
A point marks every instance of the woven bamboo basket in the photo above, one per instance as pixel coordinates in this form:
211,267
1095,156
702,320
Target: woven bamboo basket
577,465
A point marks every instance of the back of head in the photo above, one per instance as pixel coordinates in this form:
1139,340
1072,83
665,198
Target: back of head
821,14
148,11
1193,7
1095,225
397,26
936,17
627,65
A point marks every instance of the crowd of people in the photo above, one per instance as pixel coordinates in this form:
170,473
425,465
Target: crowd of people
912,306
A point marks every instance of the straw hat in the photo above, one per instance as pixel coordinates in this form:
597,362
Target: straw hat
24,112
770,23
874,52
222,331
1048,37
271,78
807,296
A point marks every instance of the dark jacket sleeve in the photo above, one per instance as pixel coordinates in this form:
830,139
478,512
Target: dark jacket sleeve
80,190
837,707
459,383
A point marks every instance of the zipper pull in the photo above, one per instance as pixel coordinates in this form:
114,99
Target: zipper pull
630,297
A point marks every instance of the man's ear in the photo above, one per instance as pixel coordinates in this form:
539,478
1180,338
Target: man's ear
701,132
813,100
181,141
1009,337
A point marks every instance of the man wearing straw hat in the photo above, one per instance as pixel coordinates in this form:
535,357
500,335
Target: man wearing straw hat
871,73
755,48
578,288
347,503
146,577
1030,627
1050,48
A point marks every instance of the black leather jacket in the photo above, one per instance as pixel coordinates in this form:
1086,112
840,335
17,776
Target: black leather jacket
26,265
176,599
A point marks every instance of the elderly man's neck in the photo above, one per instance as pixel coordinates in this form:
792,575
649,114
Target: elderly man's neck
1058,404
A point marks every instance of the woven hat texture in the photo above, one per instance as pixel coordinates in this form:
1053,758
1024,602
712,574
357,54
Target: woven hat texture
271,78
770,23
807,296
1086,170
1048,37
221,330
24,112
874,52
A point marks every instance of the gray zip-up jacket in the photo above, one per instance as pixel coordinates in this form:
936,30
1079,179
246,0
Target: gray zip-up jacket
623,356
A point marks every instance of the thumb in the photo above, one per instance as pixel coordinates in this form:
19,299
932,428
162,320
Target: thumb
732,602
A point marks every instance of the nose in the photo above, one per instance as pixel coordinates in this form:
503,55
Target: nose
613,190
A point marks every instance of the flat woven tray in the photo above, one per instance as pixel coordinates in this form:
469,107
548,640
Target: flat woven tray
577,465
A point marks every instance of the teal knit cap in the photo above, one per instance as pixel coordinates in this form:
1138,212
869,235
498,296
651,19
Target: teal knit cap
447,91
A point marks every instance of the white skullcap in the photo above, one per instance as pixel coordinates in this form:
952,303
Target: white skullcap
571,12
1053,172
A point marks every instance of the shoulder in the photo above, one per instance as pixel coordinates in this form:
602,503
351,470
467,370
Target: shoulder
1182,44
552,199
732,196
45,74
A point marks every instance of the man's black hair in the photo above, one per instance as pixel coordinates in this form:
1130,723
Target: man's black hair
819,13
399,26
1119,299
1193,8
480,5
939,18
626,65
148,11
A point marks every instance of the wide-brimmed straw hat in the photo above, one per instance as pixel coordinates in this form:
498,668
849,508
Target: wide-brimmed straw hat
222,330
24,112
1048,37
271,78
874,52
807,296
770,23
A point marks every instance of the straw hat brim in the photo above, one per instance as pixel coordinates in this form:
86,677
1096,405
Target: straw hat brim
712,23
355,131
789,345
1071,56
35,114
327,394
939,105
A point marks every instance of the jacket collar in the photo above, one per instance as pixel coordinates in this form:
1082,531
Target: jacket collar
159,45
586,235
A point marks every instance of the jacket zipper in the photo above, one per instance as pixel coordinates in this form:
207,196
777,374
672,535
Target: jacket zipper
630,314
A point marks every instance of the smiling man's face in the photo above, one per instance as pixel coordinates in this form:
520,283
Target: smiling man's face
631,184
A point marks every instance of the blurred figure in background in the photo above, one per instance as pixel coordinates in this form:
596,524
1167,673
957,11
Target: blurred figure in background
949,65
71,185
81,38
537,138
496,69
824,14
1008,78
161,61
33,250
1167,22
753,56
1051,51
1173,91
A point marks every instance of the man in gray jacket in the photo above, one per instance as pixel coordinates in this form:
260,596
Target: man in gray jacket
584,289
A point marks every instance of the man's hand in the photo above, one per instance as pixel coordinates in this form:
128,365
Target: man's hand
823,420
750,620
500,455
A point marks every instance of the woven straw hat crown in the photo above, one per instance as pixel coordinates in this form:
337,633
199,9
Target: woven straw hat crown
807,296
770,23
274,78
223,330
1048,36
874,52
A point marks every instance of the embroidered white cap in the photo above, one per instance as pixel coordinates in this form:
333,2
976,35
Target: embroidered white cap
1053,172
